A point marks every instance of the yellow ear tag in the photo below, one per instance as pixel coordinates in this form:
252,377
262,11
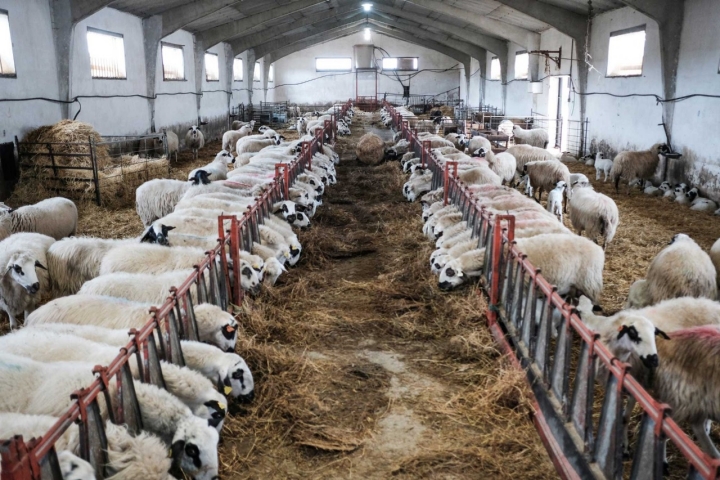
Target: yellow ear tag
228,390
169,452
222,405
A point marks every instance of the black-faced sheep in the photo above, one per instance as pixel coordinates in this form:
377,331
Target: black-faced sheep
194,140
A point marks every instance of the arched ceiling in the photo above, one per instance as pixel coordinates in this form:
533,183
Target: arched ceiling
472,25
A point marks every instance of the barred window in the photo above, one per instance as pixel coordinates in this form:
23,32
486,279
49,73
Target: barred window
495,69
238,70
625,52
212,71
173,62
7,62
107,54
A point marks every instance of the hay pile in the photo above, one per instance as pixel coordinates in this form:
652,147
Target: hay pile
118,176
370,149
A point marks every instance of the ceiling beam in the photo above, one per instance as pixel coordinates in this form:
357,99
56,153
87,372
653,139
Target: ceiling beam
82,9
492,44
570,23
517,35
176,18
431,44
215,35
669,16
310,42
322,29
241,44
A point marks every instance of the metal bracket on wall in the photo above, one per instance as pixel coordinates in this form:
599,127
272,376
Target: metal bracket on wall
548,54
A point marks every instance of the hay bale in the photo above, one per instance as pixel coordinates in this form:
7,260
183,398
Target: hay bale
67,137
370,149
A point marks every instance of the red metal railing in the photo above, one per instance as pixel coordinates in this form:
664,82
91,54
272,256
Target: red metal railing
520,315
172,321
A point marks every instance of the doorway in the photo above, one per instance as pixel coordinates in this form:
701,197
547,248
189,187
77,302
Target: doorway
558,112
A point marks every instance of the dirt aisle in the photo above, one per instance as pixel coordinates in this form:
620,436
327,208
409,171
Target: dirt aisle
363,368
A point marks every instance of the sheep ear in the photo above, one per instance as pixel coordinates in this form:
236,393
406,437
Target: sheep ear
176,453
40,265
660,333
149,236
622,331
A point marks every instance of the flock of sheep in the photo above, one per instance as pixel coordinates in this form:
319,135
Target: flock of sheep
101,288
669,330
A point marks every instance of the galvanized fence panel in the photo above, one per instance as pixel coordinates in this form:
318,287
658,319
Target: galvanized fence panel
583,439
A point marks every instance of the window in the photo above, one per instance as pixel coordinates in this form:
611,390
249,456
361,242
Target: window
7,62
495,69
400,63
238,70
212,72
625,53
256,72
522,61
271,74
343,64
107,54
173,62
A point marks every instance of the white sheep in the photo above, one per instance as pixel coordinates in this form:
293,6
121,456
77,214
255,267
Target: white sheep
503,164
578,178
193,389
222,368
173,143
217,169
571,263
637,295
526,153
55,217
215,326
701,204
153,259
687,197
594,213
156,198
636,164
23,258
162,413
474,143
651,190
129,457
230,138
250,144
478,176
602,165
537,137
194,140
555,200
682,269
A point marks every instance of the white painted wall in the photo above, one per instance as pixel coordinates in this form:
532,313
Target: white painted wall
473,98
553,40
35,65
175,106
519,102
111,116
300,67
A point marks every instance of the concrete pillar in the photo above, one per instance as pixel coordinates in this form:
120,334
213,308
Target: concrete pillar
503,58
266,74
199,62
533,43
63,29
483,76
229,60
249,70
152,33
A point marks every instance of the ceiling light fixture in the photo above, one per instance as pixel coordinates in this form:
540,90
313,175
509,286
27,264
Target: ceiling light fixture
367,6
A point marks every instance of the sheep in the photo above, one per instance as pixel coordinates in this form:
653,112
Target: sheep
537,137
682,269
687,198
479,176
23,258
370,149
474,143
567,157
173,143
214,325
156,198
569,262
206,242
578,179
224,369
55,217
555,200
230,138
129,457
149,259
545,175
651,190
193,389
703,205
526,153
237,124
247,144
602,165
74,261
162,413
504,165
217,169
636,164
637,295
194,140
595,213
400,148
